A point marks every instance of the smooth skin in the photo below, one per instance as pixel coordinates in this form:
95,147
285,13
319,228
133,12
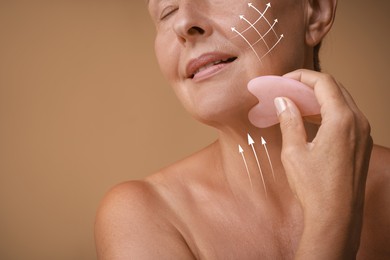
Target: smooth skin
331,198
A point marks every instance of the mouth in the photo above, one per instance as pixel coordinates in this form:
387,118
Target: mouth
208,64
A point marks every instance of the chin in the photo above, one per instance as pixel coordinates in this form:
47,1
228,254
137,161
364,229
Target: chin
223,110
221,99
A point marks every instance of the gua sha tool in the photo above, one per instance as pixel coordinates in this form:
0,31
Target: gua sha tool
267,88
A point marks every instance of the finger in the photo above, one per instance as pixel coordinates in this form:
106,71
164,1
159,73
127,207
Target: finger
358,114
335,110
348,97
291,123
351,102
326,89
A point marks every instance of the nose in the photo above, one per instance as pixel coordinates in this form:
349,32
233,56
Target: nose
191,24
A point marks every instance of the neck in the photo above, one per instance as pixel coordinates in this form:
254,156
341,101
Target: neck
257,172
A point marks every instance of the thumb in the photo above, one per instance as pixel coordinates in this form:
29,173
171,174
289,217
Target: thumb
291,123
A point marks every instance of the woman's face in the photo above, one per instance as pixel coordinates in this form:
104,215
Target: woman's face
210,49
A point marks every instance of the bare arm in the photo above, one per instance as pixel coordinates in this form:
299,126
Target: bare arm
132,224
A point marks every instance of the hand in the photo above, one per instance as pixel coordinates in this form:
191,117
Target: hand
328,175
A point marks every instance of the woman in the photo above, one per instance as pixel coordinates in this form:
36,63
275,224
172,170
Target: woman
321,204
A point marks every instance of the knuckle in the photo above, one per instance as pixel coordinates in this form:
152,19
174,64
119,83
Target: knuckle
366,133
344,118
288,154
327,78
349,117
292,157
288,123
370,142
366,127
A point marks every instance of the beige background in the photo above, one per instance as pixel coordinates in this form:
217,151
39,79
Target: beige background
83,107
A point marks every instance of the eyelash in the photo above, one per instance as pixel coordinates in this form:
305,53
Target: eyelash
167,12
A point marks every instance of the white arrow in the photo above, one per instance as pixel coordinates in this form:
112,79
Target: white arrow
258,19
265,34
280,38
264,143
241,151
251,25
242,36
262,15
271,28
251,142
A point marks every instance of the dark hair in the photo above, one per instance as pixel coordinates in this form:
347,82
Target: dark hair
316,59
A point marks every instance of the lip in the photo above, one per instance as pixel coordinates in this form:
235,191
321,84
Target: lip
195,64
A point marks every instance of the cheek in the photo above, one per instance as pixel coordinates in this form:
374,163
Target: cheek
257,30
167,55
269,31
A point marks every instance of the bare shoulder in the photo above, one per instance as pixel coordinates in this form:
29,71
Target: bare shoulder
376,227
133,223
379,171
380,159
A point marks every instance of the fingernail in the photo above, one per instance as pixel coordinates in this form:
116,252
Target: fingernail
280,105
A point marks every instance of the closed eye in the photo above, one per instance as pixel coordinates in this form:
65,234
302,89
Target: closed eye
168,11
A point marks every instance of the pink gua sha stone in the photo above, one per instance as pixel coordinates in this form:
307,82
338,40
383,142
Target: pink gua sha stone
267,88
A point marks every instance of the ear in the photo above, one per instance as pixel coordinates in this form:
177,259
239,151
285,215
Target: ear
319,20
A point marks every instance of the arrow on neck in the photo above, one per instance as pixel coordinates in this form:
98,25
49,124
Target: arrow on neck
241,151
264,143
251,142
